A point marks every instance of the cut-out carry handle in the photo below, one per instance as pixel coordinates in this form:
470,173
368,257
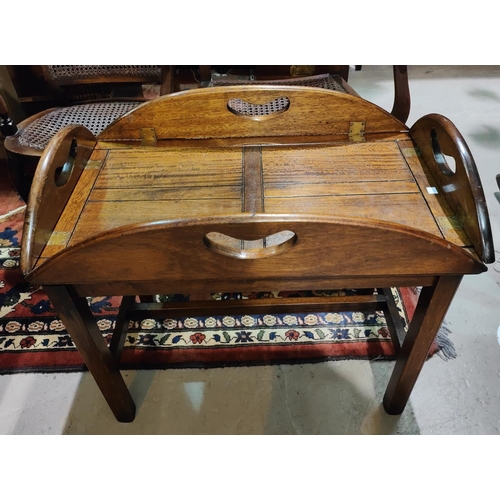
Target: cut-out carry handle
446,163
63,173
239,107
250,249
446,154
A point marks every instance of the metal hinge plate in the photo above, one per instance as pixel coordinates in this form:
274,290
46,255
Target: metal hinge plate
357,131
59,238
411,152
148,137
302,70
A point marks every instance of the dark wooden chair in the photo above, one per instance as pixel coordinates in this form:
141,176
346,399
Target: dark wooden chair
92,96
7,126
327,77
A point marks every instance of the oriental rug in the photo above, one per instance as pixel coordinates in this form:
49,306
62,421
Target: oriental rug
34,339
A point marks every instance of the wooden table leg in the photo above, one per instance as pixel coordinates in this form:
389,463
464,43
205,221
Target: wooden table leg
147,298
81,325
429,314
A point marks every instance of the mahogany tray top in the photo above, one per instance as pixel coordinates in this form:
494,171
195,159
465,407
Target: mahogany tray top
381,181
161,164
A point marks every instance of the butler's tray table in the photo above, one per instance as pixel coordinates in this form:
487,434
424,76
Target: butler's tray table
254,188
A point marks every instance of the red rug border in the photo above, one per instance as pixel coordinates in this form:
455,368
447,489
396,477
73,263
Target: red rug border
204,357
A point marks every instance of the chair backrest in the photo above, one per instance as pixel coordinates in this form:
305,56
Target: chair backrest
296,71
280,72
402,102
72,84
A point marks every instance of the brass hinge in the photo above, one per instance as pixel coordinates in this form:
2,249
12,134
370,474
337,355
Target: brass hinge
357,131
302,70
59,238
93,165
411,152
148,137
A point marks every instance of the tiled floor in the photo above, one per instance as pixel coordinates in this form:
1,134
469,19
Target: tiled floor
461,396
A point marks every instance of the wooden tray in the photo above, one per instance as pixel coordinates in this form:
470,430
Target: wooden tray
255,188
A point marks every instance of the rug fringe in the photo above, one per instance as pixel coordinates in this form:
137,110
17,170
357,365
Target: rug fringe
8,215
446,348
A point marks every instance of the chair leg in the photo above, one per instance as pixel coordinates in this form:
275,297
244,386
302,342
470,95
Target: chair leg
81,325
147,298
205,75
19,178
402,100
168,83
429,314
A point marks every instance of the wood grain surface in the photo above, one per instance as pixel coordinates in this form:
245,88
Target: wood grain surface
203,113
65,158
326,246
382,180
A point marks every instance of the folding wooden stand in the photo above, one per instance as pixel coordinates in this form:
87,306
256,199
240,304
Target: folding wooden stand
255,188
